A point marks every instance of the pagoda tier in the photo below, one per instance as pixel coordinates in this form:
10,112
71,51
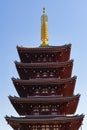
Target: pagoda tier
46,105
43,87
45,122
45,70
43,54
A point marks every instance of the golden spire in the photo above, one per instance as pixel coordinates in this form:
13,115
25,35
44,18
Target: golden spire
44,28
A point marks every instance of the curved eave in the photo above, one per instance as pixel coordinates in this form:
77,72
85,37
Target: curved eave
74,121
46,81
20,104
43,65
21,49
43,99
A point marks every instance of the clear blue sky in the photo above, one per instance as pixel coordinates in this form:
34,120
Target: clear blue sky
20,25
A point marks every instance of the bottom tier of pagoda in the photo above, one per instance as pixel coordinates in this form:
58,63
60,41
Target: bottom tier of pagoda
46,122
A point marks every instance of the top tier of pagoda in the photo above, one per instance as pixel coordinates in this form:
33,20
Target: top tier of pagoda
45,87
44,54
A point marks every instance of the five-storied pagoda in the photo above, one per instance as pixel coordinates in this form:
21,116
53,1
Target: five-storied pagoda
46,89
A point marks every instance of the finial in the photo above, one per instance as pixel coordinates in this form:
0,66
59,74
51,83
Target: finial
44,10
44,28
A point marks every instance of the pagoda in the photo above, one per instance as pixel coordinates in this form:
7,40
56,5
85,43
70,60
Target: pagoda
46,87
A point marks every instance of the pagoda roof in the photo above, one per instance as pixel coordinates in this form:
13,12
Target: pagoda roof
43,65
46,117
40,118
43,49
73,121
46,81
43,99
22,105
